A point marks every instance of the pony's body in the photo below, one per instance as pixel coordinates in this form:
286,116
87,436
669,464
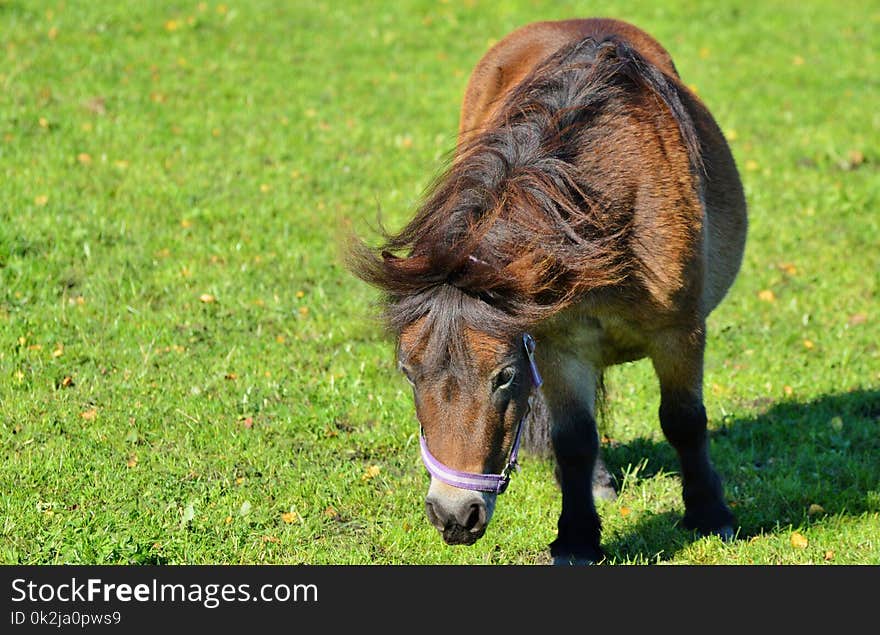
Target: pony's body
593,202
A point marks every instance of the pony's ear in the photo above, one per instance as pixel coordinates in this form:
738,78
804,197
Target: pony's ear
474,274
405,274
474,267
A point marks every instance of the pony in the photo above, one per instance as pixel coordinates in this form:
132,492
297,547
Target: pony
592,215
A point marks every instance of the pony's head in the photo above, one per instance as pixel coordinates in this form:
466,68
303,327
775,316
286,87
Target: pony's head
471,391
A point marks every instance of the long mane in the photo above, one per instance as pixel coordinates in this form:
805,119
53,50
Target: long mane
513,232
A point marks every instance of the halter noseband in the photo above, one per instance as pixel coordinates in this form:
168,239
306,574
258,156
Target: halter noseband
492,483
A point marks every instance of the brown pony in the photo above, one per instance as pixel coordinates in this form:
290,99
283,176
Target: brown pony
592,203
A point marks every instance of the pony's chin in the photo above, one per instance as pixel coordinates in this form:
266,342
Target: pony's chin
458,535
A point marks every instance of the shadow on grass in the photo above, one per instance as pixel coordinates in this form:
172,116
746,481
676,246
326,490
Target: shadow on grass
774,465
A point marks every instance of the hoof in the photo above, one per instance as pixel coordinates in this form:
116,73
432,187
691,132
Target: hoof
716,520
726,533
562,556
572,561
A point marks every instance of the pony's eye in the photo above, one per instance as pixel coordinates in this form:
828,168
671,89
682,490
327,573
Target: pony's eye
408,374
504,378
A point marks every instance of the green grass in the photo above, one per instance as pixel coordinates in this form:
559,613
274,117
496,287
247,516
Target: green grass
155,155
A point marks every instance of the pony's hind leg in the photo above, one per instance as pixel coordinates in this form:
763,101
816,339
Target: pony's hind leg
570,392
678,362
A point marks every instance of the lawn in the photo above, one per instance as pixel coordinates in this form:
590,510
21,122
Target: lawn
188,374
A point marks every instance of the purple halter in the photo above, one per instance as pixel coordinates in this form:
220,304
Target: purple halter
492,483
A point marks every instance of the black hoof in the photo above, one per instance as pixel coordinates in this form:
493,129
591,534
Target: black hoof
717,521
726,533
572,561
567,555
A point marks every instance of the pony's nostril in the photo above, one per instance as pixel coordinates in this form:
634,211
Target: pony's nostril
432,515
476,518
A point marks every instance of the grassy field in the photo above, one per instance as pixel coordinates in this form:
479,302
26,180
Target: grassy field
189,375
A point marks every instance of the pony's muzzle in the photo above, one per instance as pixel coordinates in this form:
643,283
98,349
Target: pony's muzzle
461,516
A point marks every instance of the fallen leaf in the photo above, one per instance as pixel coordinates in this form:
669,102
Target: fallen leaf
788,390
67,382
799,541
331,512
856,158
788,268
41,200
304,311
767,295
809,345
370,473
59,350
84,158
248,422
829,555
207,298
815,509
290,517
96,105
857,318
271,539
132,460
44,123
230,376
89,415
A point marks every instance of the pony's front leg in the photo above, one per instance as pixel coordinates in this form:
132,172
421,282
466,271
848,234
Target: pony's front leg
678,361
570,391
